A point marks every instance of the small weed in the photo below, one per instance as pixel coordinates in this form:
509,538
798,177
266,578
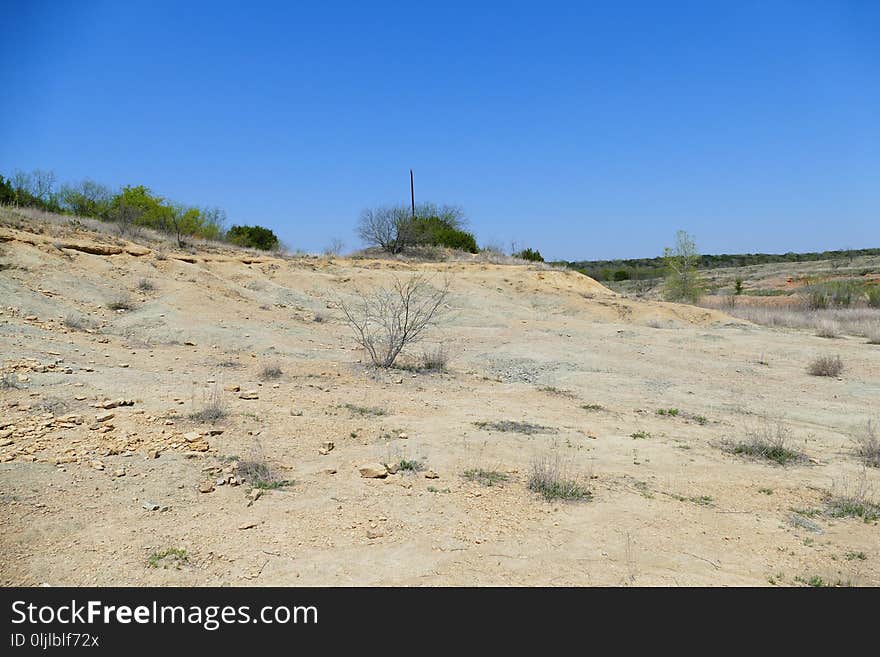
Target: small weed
120,302
766,491
169,558
258,474
407,465
852,556
768,442
365,410
485,477
516,427
640,435
593,407
146,285
548,478
671,412
271,371
213,408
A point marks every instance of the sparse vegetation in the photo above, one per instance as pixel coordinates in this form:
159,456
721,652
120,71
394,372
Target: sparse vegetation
768,441
120,302
485,477
671,412
213,407
826,366
868,444
77,322
640,435
271,371
374,411
258,474
410,465
593,407
386,320
174,558
515,427
146,285
549,478
435,360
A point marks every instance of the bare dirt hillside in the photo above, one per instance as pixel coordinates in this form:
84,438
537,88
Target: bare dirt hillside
109,347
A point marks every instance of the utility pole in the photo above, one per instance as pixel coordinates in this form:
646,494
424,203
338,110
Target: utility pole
412,193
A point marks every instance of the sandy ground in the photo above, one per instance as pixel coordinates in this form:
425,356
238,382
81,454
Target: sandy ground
79,495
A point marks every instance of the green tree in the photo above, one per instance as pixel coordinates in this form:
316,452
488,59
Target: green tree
682,280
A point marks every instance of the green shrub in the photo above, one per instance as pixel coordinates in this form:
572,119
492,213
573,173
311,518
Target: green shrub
532,255
255,237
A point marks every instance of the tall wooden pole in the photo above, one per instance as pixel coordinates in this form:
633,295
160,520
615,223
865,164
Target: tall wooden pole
412,193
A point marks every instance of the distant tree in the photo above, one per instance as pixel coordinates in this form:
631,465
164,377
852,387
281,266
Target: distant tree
7,192
389,228
87,199
682,280
255,237
529,254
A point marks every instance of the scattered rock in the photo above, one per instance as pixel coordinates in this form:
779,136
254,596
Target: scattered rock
249,394
232,388
430,474
150,506
247,525
373,471
326,447
103,417
375,533
206,487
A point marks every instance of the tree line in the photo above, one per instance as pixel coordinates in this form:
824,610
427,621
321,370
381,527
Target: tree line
129,208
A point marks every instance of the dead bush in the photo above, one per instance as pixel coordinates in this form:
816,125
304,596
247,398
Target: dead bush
868,444
826,366
386,320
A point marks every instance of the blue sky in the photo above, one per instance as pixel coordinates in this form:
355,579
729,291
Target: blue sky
584,129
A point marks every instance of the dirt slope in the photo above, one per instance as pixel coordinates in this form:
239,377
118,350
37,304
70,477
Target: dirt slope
534,345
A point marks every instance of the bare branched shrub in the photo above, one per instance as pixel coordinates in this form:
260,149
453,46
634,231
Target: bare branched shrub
826,366
146,285
867,440
386,320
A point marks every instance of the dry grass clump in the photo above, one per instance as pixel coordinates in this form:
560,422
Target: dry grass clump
854,502
435,360
146,285
259,474
485,477
120,302
213,407
550,478
826,366
514,427
271,371
868,444
768,441
77,322
827,329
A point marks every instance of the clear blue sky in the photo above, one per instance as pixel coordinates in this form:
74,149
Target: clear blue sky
585,129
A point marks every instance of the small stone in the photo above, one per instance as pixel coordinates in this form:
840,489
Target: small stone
149,506
326,447
393,468
192,436
430,474
403,436
250,394
206,487
247,525
103,417
373,471
153,454
120,472
330,471
296,413
375,533
232,388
